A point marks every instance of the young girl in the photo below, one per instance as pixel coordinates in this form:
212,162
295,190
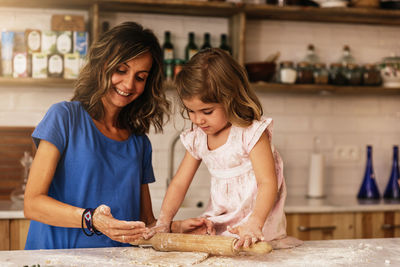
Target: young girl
233,139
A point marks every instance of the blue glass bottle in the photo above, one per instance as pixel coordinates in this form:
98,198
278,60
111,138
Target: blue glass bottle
369,189
392,190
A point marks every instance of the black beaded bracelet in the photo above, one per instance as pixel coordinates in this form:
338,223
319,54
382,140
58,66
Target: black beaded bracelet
87,216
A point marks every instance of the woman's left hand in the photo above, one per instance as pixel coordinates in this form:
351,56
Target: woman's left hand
249,233
121,231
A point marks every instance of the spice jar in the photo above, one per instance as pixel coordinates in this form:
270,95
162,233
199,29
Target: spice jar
336,74
287,72
353,74
371,75
304,73
321,74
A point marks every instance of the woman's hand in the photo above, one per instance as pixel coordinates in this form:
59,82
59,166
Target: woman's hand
249,233
121,231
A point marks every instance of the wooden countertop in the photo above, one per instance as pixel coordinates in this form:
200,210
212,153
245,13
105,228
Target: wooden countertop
356,252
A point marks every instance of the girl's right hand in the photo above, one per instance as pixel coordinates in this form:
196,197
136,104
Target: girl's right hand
160,227
121,231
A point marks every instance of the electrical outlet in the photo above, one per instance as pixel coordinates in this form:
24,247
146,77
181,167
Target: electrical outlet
346,153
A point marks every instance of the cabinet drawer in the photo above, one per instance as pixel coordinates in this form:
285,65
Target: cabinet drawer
321,226
377,224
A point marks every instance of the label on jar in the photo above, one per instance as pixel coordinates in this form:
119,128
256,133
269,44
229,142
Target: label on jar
71,66
39,65
20,65
64,42
33,41
81,41
288,75
49,39
55,65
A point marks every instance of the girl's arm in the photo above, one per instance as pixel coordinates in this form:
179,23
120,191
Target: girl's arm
175,194
40,207
267,188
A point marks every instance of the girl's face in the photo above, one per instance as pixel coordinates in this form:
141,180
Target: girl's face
210,117
128,81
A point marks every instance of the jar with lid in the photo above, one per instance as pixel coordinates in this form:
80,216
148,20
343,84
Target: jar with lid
304,73
353,74
336,74
371,75
321,74
287,72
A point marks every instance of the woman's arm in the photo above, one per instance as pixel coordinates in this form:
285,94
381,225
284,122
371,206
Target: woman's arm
267,189
146,210
38,205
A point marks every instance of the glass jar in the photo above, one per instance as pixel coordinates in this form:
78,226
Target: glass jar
390,72
371,76
287,72
304,73
353,74
321,74
336,74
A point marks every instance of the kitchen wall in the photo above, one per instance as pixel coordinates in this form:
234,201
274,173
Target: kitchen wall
338,120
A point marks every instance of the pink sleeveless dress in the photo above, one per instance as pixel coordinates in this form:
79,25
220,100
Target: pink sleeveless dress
233,183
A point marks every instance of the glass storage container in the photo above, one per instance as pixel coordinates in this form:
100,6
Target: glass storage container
321,74
371,75
336,74
287,72
353,74
304,73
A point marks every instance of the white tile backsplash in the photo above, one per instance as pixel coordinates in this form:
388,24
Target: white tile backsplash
335,119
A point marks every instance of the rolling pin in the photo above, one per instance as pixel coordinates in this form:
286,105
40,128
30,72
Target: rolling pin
214,245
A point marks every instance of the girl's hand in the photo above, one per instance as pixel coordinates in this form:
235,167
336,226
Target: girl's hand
200,226
249,233
121,231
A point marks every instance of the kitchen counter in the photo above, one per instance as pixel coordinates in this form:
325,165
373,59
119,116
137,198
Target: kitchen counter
358,252
11,210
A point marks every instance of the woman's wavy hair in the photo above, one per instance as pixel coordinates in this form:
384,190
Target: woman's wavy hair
215,77
118,45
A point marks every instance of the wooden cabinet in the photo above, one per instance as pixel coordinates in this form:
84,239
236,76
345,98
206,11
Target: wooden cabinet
344,225
13,233
321,226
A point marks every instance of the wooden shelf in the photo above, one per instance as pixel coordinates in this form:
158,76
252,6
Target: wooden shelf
323,89
49,82
67,4
181,7
315,14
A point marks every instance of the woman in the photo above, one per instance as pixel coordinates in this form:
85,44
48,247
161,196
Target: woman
93,151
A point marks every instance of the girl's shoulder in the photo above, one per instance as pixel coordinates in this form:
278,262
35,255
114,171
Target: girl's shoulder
257,125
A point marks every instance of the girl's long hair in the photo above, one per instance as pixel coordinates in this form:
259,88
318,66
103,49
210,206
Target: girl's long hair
215,77
118,45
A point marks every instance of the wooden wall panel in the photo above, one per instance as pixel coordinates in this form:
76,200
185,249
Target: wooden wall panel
13,142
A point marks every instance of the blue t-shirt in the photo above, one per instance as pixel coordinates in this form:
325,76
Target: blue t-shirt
93,170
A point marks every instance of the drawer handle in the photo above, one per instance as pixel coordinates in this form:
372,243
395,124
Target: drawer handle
388,226
317,228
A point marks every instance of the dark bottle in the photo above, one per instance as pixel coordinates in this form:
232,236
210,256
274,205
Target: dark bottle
392,190
168,48
224,44
207,43
191,47
369,189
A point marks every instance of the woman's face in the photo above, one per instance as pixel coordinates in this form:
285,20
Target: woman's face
128,81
